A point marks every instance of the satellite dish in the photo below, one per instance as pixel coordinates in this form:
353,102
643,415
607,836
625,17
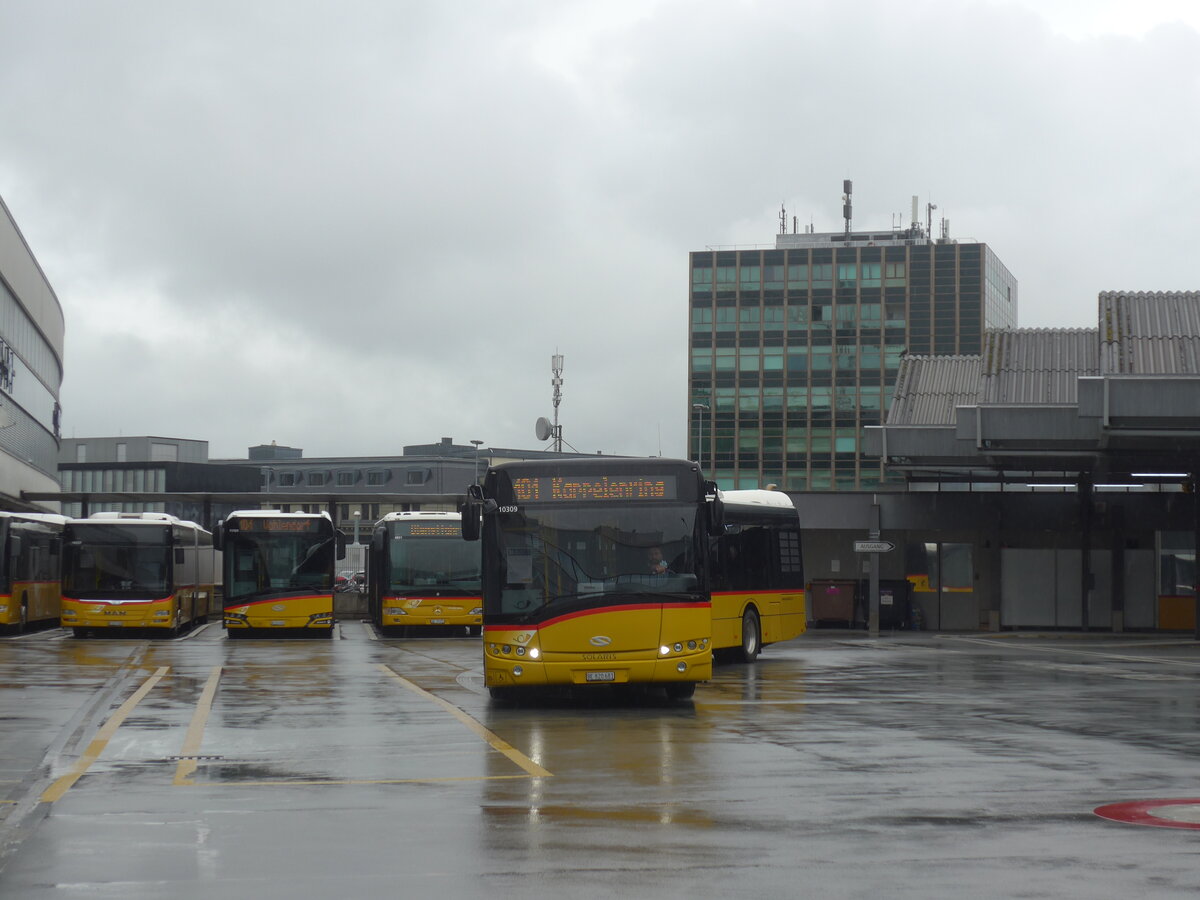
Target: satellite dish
542,428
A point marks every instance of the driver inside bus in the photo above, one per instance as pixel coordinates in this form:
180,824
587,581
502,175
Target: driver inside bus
655,564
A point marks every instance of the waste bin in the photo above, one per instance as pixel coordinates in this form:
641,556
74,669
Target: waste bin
833,602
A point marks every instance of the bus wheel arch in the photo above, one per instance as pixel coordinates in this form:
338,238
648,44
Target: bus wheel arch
751,635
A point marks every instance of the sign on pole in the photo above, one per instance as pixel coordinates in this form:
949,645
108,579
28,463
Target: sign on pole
874,546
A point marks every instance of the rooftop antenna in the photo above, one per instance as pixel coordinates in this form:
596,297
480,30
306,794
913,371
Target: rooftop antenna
782,219
556,366
847,190
929,208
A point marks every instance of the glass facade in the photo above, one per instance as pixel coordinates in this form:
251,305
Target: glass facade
794,350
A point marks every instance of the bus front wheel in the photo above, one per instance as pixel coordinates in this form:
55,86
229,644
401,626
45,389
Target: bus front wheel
751,637
680,690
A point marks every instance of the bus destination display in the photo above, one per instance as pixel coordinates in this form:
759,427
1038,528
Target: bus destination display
584,489
279,525
428,529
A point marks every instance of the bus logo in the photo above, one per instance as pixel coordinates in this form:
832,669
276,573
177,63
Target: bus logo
600,640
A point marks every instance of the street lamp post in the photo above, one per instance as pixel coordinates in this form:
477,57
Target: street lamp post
357,517
477,443
701,409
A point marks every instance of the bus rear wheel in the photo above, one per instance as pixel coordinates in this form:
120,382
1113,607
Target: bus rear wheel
751,637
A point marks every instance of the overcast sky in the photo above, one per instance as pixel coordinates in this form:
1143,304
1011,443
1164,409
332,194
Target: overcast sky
350,226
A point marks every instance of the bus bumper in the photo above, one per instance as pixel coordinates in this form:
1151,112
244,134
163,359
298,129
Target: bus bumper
502,671
101,614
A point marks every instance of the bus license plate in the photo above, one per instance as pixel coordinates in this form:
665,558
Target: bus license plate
278,622
437,621
600,676
115,624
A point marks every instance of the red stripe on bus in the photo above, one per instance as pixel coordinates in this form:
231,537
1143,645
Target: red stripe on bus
439,599
232,603
754,591
602,609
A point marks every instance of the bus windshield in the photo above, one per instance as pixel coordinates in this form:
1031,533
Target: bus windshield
131,561
276,561
422,556
553,555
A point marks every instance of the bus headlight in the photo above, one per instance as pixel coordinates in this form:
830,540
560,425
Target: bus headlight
394,612
682,667
520,651
477,611
518,671
534,652
664,650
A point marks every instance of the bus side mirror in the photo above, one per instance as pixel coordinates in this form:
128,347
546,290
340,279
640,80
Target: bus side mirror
341,544
471,510
714,506
219,536
378,537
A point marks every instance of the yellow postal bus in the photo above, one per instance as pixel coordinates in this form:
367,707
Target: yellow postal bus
136,570
757,574
279,570
30,583
594,573
423,577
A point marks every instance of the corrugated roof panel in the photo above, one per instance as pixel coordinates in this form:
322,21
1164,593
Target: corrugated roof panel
1150,332
928,388
1037,365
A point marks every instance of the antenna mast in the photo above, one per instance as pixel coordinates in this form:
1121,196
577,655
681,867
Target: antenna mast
556,366
847,190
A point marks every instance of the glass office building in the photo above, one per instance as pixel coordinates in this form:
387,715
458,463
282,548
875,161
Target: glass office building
795,349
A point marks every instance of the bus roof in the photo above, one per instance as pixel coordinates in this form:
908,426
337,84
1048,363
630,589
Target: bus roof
276,514
135,519
598,464
758,498
420,515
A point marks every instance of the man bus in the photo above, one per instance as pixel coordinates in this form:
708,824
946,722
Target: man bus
136,570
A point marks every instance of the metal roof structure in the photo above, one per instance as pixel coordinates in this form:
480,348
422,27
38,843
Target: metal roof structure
1044,404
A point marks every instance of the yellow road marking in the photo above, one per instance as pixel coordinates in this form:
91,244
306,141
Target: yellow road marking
493,739
328,782
100,741
195,732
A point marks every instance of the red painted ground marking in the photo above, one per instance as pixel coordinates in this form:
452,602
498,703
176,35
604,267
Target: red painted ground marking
1160,813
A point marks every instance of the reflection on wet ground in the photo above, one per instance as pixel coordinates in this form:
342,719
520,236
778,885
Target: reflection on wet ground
837,765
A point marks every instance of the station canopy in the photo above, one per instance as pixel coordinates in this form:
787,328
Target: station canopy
1118,403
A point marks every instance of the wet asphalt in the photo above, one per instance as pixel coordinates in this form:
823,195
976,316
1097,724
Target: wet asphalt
910,765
